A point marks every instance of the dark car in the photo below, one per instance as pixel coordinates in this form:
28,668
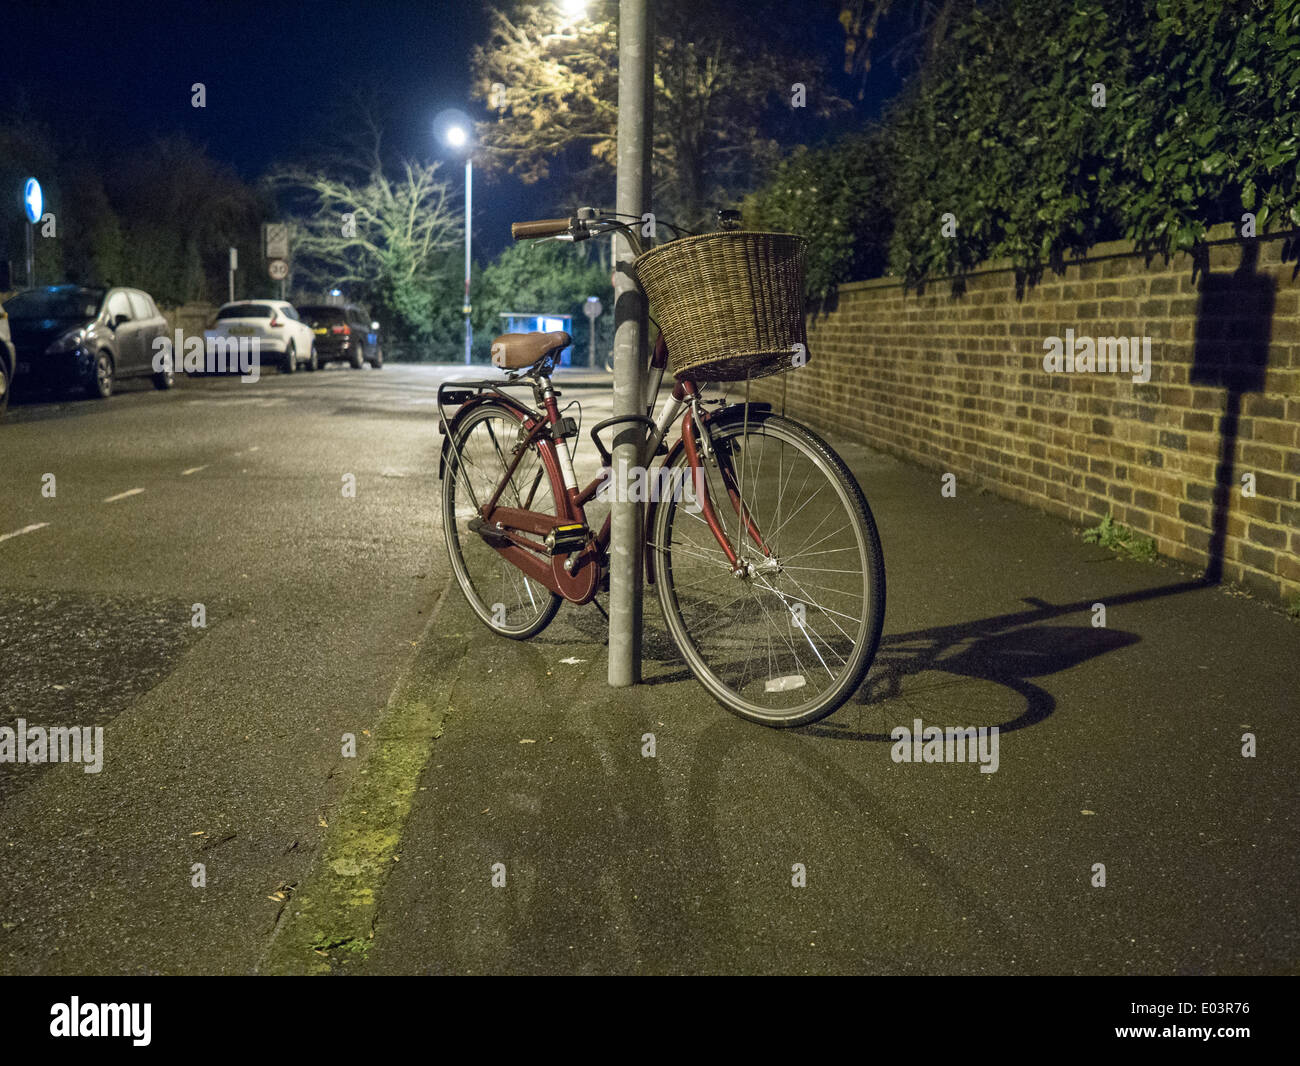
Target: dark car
344,333
71,336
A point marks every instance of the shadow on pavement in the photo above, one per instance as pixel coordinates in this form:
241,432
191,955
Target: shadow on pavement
1005,649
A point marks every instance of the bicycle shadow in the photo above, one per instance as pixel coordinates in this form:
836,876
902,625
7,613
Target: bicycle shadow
1007,650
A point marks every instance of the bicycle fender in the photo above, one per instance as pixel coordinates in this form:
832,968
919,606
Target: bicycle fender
735,413
463,410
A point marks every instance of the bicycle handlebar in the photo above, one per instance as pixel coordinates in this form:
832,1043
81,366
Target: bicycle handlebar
545,227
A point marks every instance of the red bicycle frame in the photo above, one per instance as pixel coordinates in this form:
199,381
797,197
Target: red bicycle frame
576,575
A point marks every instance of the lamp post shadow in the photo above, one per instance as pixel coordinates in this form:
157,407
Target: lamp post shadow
1234,325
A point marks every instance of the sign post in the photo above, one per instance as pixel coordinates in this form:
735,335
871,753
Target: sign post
275,246
234,265
33,208
279,270
592,309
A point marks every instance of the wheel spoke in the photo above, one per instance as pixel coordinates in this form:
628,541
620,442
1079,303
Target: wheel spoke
745,647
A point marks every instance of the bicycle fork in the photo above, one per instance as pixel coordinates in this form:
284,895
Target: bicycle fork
697,440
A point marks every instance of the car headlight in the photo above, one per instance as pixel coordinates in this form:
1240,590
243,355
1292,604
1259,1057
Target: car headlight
69,342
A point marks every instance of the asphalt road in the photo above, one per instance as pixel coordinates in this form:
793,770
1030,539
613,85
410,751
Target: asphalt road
328,615
223,744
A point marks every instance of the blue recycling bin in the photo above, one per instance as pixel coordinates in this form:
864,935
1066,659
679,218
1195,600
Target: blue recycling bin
517,322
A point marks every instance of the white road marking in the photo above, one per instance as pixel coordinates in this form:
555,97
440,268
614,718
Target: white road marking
123,495
26,529
193,470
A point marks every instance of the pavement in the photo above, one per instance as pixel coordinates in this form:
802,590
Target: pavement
508,812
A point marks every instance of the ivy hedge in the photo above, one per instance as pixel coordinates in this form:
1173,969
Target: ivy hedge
1043,129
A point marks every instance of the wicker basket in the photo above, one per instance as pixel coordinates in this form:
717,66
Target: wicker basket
730,303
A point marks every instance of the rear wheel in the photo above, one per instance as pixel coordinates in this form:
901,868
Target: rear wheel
314,362
165,379
503,596
290,363
357,358
788,635
5,384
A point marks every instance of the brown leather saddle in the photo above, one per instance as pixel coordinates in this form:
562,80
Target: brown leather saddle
513,351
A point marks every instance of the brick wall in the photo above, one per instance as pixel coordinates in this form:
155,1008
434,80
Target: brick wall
956,383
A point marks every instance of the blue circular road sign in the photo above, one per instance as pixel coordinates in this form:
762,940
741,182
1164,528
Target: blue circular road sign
33,200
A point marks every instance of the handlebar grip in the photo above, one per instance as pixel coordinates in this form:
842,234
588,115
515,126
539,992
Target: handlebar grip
545,227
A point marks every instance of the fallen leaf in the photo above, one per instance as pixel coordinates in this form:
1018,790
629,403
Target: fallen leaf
528,742
1087,812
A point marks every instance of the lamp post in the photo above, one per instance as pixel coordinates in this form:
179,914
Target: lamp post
458,138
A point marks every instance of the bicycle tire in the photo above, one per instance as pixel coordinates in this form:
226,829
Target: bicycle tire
468,552
866,539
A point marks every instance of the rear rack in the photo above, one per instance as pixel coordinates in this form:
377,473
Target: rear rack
456,393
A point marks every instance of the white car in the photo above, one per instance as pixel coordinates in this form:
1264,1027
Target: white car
8,361
283,338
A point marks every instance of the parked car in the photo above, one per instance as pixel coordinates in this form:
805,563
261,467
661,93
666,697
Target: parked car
7,360
344,333
69,336
282,337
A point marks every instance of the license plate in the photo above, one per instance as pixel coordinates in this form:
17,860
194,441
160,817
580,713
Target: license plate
320,329
240,331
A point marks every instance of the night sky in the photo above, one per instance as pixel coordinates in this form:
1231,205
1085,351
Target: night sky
116,75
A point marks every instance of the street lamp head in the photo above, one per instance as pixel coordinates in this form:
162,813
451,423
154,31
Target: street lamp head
574,9
457,136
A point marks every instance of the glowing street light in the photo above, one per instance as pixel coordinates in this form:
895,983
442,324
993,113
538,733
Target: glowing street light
574,9
455,131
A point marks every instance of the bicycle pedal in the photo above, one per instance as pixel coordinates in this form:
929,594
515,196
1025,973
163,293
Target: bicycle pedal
563,539
493,537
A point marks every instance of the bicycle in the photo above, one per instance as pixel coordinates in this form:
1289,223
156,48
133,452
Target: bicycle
760,544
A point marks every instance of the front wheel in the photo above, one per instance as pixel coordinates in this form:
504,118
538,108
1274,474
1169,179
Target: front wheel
787,635
101,377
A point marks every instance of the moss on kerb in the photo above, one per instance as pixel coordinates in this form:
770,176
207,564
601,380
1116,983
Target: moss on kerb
330,919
